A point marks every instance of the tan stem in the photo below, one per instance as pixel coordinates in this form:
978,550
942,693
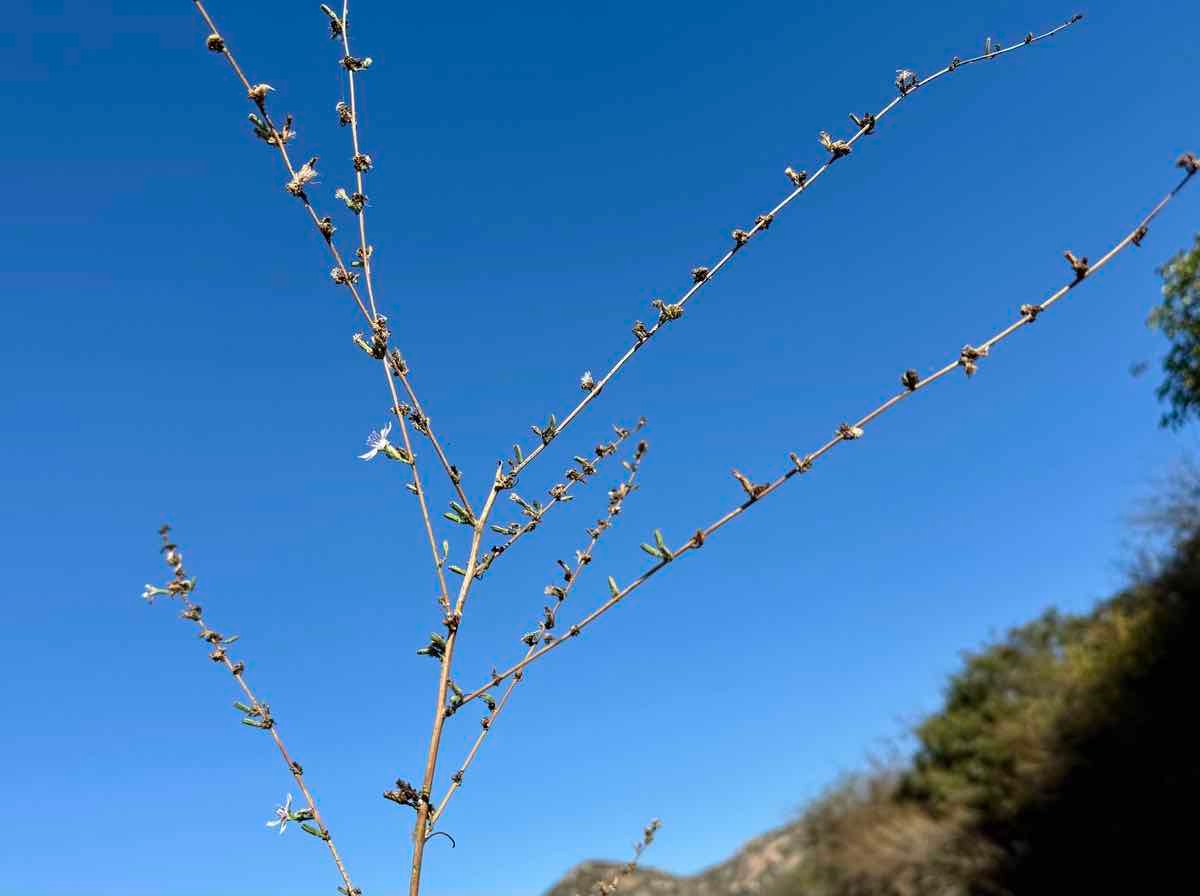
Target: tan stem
801,465
761,225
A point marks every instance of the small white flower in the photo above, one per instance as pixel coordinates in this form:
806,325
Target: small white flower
153,591
586,382
377,441
283,814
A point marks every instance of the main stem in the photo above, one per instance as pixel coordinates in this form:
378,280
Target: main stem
453,619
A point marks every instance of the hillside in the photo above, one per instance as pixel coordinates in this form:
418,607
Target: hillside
753,870
1060,743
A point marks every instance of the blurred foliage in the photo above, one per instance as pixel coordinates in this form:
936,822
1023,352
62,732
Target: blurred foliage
1178,316
1059,763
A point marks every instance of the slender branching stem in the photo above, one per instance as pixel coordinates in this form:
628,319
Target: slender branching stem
453,620
359,170
704,275
181,588
560,493
366,255
613,882
280,142
967,358
439,561
583,559
553,429
452,472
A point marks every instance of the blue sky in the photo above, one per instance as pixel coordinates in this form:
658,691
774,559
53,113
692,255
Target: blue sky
174,350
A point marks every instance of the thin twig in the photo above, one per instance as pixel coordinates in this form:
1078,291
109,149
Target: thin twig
611,884
702,275
181,587
452,622
552,429
439,561
559,493
345,276
424,426
280,142
361,164
967,358
360,168
616,499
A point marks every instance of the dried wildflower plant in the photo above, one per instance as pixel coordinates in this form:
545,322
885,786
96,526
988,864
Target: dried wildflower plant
457,570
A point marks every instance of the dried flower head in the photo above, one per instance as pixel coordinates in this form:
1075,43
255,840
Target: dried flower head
1078,265
910,379
866,123
362,163
215,43
848,432
667,311
344,113
336,27
740,238
586,382
258,93
969,358
343,277
837,148
640,333
700,274
404,794
356,202
1189,162
797,177
906,81
356,64
1031,311
305,175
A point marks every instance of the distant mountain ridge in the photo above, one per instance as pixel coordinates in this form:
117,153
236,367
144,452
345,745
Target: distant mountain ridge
749,872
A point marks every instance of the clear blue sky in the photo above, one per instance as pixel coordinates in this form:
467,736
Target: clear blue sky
173,349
